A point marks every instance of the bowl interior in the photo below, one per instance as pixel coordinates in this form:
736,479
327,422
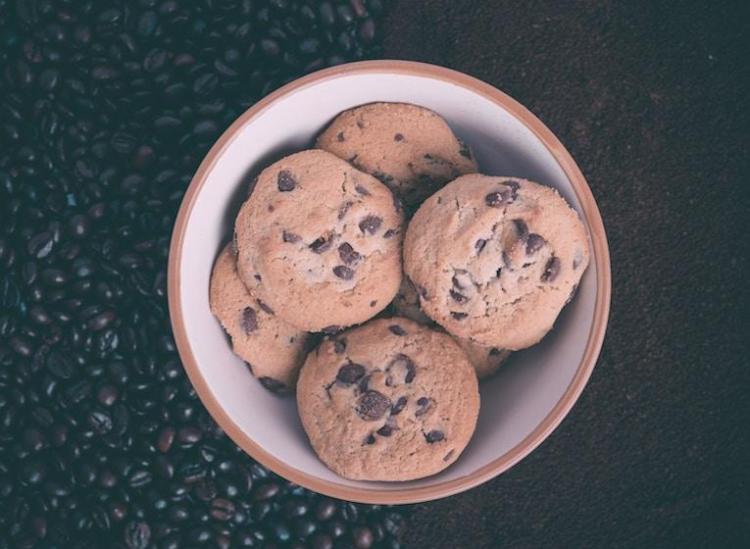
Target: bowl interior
514,402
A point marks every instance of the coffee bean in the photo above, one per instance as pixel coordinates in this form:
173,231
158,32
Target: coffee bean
372,405
110,148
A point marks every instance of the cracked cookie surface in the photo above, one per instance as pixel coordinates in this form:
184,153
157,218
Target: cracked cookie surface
389,400
485,359
273,349
409,148
495,259
320,242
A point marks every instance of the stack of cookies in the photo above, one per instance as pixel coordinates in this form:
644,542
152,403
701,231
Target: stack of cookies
387,226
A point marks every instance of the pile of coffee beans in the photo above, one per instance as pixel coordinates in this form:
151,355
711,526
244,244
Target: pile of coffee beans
106,109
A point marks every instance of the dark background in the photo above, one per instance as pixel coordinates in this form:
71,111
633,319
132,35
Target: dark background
651,100
106,109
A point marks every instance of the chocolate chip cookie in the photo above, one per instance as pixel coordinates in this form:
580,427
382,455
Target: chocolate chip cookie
390,400
409,148
495,258
272,348
486,360
320,242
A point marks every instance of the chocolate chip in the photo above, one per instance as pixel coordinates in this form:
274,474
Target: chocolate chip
265,307
347,254
401,364
360,124
434,436
400,404
273,385
372,405
361,190
343,272
385,431
522,230
396,329
370,224
457,297
364,383
479,245
257,277
551,269
286,181
500,269
373,302
339,346
494,351
534,243
389,233
461,316
398,137
424,405
340,137
514,186
497,199
423,292
344,208
370,439
249,321
332,329
350,372
320,244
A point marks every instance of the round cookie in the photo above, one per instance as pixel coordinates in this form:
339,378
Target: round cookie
390,400
409,148
272,348
486,360
320,242
495,258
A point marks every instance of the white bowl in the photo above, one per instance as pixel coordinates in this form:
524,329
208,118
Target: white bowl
528,397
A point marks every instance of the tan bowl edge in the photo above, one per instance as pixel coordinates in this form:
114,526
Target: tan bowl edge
600,254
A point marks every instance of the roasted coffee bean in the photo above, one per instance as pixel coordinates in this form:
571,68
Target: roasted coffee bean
108,108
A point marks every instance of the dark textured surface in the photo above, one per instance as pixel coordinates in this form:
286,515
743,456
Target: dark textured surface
106,108
652,103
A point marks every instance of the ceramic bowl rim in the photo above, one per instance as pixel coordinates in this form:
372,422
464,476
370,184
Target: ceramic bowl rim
599,253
